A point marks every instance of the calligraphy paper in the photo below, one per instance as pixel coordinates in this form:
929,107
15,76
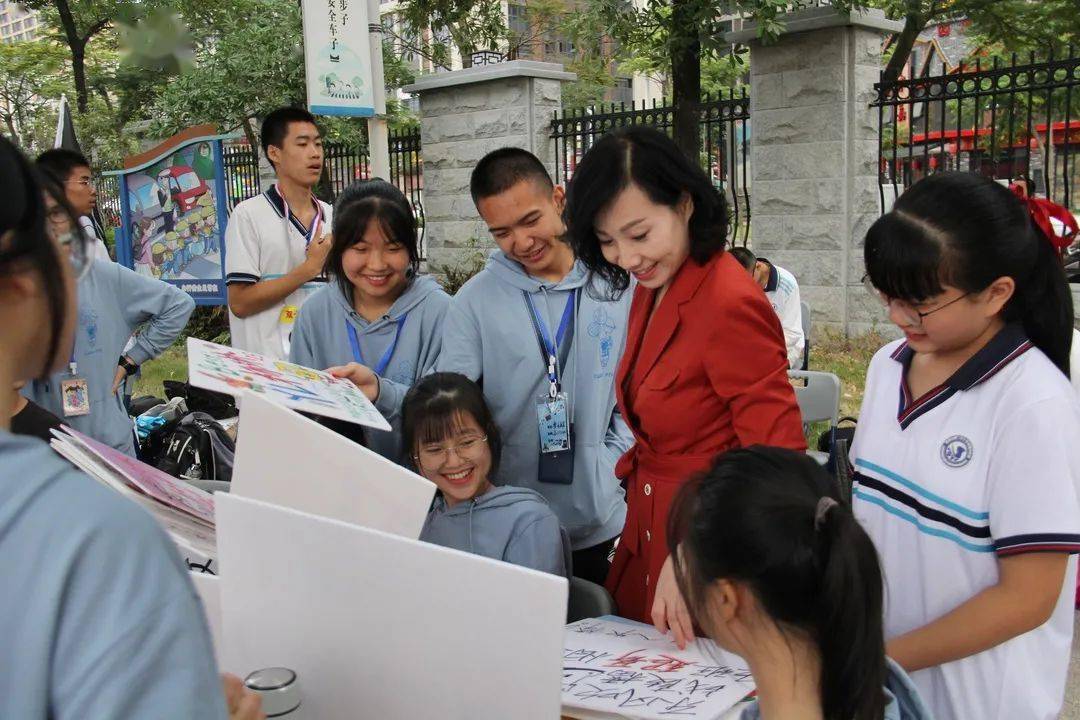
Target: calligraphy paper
381,626
231,371
286,459
629,670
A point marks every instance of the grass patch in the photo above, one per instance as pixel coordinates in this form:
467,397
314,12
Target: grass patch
170,365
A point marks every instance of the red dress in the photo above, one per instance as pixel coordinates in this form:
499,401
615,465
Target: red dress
707,375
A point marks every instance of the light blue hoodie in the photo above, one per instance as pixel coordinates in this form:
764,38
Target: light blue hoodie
903,700
113,303
505,523
320,339
97,613
488,336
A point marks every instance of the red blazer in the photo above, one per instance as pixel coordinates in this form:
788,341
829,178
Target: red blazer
708,374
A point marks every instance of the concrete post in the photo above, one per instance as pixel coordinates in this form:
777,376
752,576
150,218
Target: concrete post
814,155
464,115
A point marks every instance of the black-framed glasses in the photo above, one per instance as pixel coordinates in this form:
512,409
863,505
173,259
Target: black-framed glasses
909,311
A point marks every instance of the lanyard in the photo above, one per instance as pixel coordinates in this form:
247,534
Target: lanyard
553,351
72,365
314,229
384,361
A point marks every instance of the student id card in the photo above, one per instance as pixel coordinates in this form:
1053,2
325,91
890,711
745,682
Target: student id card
556,450
76,397
286,320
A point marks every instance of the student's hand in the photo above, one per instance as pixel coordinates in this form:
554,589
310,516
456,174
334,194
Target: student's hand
669,610
317,250
361,376
243,704
118,379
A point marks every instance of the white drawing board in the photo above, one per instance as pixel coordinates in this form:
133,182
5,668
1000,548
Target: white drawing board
229,370
381,626
209,590
287,459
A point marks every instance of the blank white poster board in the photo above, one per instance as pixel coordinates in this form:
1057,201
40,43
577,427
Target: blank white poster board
206,585
286,459
380,626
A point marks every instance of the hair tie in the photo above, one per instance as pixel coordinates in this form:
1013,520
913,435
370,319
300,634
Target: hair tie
1042,211
823,507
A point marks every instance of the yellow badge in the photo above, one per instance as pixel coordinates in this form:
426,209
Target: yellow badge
288,314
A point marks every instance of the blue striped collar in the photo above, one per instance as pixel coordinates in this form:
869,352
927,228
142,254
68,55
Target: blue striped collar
273,196
1010,343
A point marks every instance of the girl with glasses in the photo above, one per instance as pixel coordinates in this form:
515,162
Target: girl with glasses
970,486
453,441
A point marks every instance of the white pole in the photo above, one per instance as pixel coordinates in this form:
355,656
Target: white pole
378,141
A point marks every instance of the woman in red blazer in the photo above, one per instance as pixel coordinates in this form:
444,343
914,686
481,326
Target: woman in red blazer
704,369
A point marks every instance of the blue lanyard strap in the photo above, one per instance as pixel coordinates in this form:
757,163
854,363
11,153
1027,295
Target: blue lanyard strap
384,361
549,347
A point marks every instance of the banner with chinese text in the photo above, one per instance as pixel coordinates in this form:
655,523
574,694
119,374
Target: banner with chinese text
337,58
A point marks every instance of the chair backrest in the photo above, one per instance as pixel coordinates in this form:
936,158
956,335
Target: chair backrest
819,399
805,309
588,600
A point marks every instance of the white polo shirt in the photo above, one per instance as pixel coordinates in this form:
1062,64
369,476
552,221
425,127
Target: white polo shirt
265,240
783,293
986,465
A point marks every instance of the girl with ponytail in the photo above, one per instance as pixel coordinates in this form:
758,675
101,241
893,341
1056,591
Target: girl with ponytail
970,488
776,569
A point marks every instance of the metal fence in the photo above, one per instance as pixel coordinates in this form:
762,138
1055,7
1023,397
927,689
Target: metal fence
725,136
108,199
241,173
1010,118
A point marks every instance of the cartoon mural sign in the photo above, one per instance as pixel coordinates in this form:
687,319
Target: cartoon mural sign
174,214
337,58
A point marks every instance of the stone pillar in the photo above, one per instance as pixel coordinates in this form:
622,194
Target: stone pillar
1076,307
466,114
813,147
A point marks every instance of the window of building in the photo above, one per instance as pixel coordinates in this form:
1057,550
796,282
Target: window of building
517,20
623,92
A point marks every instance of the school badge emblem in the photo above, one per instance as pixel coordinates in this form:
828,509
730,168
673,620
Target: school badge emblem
956,451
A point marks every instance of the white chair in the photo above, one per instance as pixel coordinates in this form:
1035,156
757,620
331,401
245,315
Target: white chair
805,310
819,400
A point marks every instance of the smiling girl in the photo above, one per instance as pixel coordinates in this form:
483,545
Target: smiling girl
969,487
455,443
377,313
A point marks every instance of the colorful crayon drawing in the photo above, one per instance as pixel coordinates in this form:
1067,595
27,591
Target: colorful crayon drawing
225,369
629,670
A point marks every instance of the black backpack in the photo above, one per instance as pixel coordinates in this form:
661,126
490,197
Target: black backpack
217,405
198,448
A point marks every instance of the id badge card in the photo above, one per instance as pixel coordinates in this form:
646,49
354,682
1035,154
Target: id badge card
75,396
556,464
286,320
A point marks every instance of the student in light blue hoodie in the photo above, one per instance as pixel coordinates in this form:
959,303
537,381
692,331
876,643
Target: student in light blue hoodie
775,568
113,303
454,442
378,312
544,341
98,616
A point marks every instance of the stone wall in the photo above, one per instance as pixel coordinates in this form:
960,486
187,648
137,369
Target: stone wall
814,163
465,115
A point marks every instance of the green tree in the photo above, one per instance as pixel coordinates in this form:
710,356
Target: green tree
437,26
30,77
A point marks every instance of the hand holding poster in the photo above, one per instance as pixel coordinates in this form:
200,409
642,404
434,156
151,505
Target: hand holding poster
629,670
231,371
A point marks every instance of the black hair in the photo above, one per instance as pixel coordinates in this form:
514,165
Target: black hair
755,517
60,163
23,214
433,407
745,257
361,203
275,127
650,160
501,169
965,230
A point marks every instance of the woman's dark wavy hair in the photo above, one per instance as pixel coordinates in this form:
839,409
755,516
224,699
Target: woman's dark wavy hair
649,159
432,411
28,245
362,202
753,518
966,231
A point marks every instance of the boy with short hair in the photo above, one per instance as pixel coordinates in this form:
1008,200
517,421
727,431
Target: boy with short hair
782,290
276,243
72,171
544,339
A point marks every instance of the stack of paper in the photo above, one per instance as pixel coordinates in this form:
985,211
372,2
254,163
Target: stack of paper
614,669
184,511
